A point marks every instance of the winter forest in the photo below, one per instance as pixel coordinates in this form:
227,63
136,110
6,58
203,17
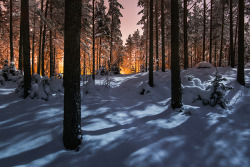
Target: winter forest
172,92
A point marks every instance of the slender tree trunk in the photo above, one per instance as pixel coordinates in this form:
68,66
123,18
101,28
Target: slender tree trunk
147,36
232,56
241,47
211,33
33,45
151,46
163,35
26,45
11,33
93,30
44,38
111,44
204,32
222,34
52,70
72,98
185,36
215,54
100,52
157,35
40,41
176,92
235,37
20,63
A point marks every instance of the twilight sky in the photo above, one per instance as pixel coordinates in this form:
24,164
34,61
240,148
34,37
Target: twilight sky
129,19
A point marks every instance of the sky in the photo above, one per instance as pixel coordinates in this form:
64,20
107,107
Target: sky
130,18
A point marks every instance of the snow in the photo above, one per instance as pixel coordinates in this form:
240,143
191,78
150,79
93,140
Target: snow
247,65
204,64
122,128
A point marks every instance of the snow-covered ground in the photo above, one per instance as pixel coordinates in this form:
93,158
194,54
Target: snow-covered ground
122,128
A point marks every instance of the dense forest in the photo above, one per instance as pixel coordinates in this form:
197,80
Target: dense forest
73,47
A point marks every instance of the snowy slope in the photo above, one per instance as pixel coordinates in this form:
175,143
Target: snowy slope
122,128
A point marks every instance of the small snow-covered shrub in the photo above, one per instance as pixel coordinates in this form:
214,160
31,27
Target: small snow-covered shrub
204,64
247,65
107,81
216,92
89,85
144,88
41,87
2,81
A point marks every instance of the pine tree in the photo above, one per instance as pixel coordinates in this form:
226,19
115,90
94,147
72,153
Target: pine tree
72,98
176,93
11,32
115,32
185,36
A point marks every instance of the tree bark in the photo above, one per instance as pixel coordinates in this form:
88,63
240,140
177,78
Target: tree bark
26,45
93,29
232,56
33,45
11,32
176,92
44,38
211,33
40,41
241,47
157,35
72,97
52,69
222,34
204,32
151,46
163,35
185,36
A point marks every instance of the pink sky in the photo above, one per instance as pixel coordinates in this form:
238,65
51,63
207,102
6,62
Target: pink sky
130,18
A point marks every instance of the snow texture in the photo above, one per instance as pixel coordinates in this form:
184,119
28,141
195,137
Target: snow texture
123,128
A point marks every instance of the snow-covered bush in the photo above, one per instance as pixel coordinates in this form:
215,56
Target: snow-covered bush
204,64
2,81
247,65
216,92
144,88
88,85
107,81
41,87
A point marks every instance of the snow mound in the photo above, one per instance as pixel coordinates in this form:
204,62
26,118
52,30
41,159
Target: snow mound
203,64
247,65
2,81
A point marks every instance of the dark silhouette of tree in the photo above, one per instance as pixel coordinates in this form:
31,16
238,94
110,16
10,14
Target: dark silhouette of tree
204,31
176,93
241,48
40,41
25,45
11,32
185,36
231,52
163,34
72,98
151,45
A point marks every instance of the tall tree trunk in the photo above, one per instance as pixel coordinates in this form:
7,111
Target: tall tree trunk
111,43
157,35
151,46
72,97
147,36
204,32
185,36
93,30
235,37
222,34
26,45
44,38
20,62
176,95
232,56
52,69
40,41
211,33
11,32
163,35
215,54
241,47
33,45
100,52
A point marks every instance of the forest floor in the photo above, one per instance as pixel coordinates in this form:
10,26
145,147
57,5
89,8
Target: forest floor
122,128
